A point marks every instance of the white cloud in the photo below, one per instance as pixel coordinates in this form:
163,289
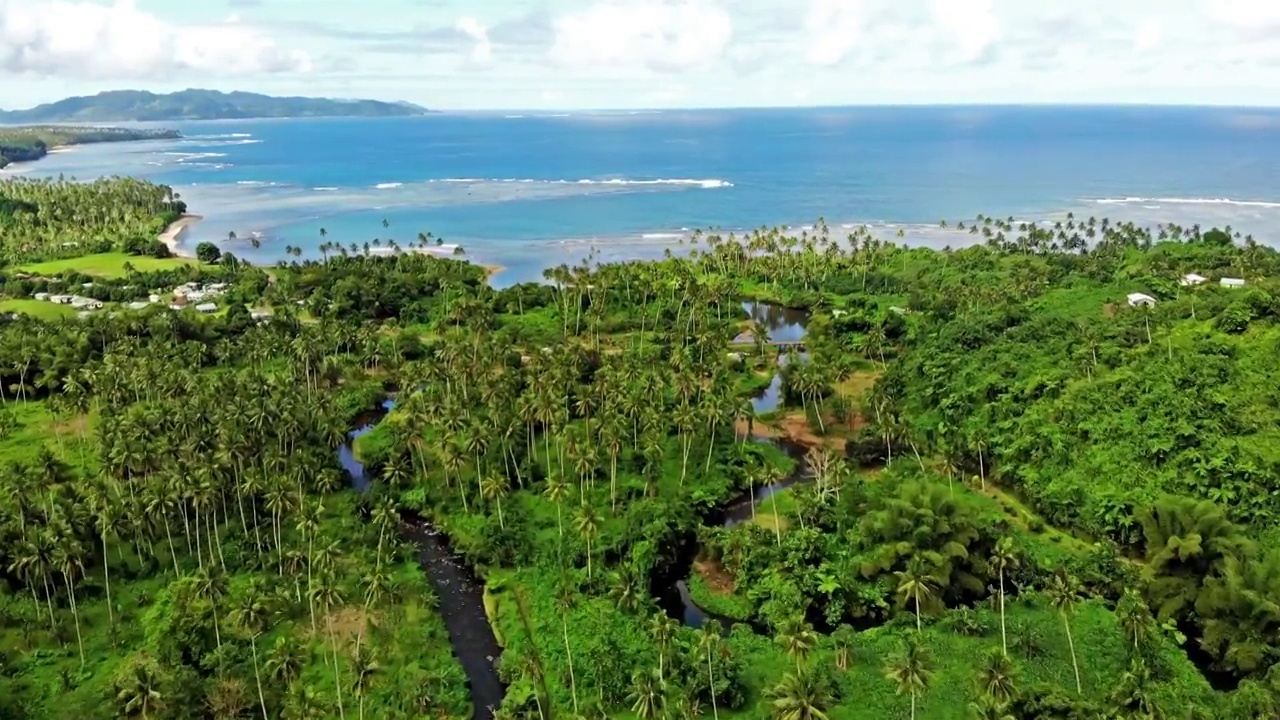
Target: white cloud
95,41
1147,36
482,51
1254,17
661,34
970,26
832,28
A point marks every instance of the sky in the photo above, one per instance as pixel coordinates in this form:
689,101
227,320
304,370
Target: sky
571,54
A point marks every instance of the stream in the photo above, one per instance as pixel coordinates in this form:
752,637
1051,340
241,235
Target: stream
782,325
461,594
672,586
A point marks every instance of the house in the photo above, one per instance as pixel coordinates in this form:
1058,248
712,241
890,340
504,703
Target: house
139,305
260,315
60,299
153,298
207,308
1231,282
176,306
1192,279
85,303
42,296
1141,299
87,285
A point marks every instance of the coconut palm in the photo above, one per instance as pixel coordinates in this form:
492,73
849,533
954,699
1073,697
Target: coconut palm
588,525
139,694
648,701
997,678
709,642
1004,558
798,639
1064,594
800,696
916,584
911,670
843,638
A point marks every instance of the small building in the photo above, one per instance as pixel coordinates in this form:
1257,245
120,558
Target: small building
1231,282
87,285
1192,279
138,305
41,296
260,315
60,299
176,306
207,308
153,298
1141,300
86,303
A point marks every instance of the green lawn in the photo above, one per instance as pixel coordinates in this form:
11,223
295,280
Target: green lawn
37,309
107,265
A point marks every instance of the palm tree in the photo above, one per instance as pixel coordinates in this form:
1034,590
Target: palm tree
916,584
648,701
1004,558
709,640
285,660
987,709
327,595
844,639
556,491
663,630
139,694
997,678
798,639
493,489
366,670
911,670
588,525
251,615
800,696
1064,594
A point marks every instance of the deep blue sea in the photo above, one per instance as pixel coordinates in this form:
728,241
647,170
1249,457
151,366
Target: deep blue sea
532,190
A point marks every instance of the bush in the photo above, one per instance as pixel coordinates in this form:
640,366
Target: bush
208,253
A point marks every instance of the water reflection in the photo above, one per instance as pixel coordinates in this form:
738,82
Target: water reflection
782,324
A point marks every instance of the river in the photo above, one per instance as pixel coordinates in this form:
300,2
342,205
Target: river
671,587
461,594
782,325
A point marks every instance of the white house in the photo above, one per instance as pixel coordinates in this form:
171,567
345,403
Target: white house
86,303
60,299
153,298
42,296
1231,282
1141,299
260,315
176,306
207,308
1192,279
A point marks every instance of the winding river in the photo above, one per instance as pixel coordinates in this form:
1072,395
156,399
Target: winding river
671,588
461,594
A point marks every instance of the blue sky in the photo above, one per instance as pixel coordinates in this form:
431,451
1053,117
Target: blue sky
555,54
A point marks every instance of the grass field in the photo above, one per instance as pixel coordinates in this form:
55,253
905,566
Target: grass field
37,309
106,265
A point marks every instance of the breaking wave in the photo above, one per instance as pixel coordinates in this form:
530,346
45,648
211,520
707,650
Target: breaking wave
1146,202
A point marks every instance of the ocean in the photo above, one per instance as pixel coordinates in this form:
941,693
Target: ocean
531,190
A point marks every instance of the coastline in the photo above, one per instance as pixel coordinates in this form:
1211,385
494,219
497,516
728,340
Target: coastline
172,235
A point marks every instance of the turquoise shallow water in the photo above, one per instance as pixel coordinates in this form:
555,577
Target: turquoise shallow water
530,191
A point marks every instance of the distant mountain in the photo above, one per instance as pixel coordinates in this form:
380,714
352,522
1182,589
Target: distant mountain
130,105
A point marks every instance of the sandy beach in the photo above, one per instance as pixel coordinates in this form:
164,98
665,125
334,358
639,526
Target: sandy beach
172,235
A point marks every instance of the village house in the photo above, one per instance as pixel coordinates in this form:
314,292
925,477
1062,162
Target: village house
1231,282
1192,279
207,308
85,303
1141,300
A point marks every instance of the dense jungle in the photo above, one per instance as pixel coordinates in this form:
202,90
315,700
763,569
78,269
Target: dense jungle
778,474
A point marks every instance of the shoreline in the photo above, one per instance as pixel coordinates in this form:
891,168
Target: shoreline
172,235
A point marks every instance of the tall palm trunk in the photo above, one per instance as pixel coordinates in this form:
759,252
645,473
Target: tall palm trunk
1071,645
106,578
75,613
1004,638
711,680
337,683
262,700
573,683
